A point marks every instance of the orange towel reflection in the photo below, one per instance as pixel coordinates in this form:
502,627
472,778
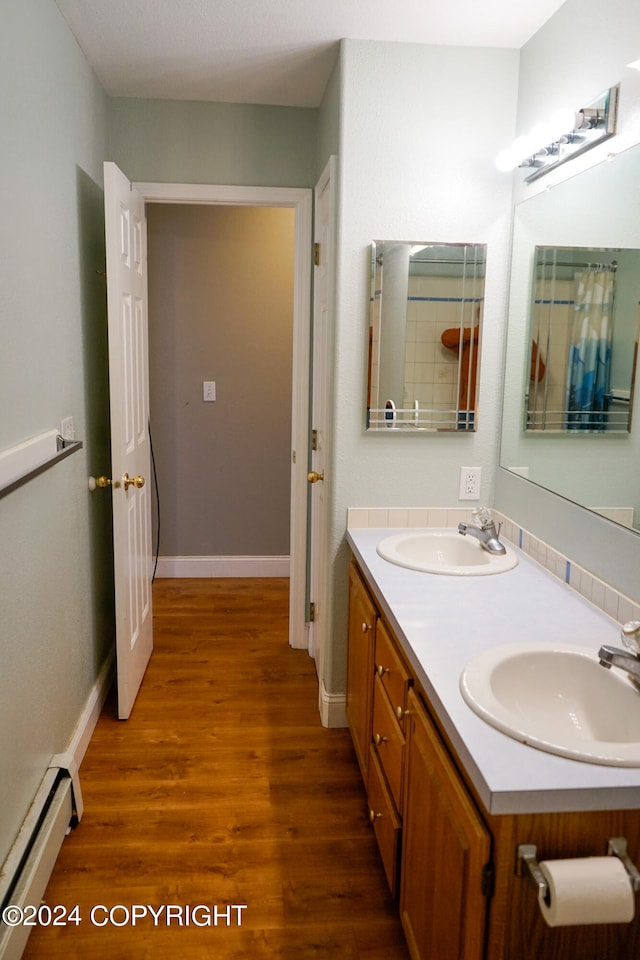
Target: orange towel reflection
451,339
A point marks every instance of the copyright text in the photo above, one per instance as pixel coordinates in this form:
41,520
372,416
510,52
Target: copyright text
121,915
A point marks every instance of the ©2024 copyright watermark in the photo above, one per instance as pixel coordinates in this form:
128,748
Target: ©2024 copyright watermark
122,915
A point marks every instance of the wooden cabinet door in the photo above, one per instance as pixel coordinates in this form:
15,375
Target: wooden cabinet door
361,639
445,847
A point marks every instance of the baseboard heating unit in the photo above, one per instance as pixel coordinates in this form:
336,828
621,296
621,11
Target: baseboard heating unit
24,875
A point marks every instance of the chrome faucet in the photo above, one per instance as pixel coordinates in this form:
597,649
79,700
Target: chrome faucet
629,659
485,531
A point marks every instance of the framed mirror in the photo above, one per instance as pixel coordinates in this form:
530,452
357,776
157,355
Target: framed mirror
590,222
425,333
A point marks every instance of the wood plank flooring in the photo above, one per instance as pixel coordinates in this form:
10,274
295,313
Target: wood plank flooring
222,789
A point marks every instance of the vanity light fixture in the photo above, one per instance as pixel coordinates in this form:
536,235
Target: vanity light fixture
566,135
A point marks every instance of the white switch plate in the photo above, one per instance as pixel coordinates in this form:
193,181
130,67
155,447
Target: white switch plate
208,390
470,483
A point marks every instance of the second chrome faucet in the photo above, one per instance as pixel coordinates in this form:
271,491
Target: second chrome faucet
629,659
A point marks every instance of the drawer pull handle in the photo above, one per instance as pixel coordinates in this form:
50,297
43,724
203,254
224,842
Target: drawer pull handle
366,626
373,816
401,713
382,670
380,739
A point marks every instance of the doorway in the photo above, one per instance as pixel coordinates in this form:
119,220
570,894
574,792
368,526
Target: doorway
194,479
221,314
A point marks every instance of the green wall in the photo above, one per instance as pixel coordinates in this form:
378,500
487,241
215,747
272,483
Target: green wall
222,143
55,541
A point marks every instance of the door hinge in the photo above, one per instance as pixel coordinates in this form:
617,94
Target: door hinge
314,439
312,612
488,879
316,254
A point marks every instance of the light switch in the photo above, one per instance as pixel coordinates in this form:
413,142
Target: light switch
208,390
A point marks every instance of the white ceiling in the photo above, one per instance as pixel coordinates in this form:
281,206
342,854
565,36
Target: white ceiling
271,51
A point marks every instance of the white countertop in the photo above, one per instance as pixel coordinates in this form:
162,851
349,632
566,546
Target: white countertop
441,622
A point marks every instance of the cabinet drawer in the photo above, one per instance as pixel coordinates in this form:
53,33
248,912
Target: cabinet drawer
392,672
388,740
385,820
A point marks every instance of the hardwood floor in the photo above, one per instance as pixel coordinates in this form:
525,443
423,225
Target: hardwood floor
222,789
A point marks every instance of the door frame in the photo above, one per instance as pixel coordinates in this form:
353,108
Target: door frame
331,708
301,200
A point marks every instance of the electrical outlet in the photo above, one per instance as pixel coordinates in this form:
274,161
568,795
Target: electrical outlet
470,483
208,390
67,429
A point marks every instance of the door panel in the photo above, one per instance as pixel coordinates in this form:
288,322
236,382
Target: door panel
445,847
125,229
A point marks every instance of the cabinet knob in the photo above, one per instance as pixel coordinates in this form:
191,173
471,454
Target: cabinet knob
380,739
373,816
366,626
401,713
382,670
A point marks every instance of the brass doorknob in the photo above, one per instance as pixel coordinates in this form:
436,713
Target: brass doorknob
102,483
127,481
313,476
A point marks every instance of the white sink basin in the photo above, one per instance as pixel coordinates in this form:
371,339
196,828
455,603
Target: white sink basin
557,698
443,551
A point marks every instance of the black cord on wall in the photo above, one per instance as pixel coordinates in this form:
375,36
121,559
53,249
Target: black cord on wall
155,483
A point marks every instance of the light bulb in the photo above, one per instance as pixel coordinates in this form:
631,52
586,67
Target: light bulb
562,121
542,134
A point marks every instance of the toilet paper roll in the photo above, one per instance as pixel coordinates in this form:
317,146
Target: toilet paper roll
586,890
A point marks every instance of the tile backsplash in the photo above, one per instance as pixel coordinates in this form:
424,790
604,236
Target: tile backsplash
596,591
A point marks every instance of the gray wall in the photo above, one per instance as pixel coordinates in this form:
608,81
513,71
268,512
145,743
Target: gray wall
221,308
56,612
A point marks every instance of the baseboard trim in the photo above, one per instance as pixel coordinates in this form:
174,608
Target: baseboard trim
88,719
333,708
222,567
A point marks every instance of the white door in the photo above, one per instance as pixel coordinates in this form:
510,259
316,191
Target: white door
125,229
323,217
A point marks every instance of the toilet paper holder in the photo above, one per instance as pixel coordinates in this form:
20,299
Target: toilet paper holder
527,864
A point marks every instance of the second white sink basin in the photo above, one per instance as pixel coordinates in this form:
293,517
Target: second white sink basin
443,551
557,698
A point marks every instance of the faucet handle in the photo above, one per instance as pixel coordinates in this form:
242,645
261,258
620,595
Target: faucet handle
630,635
481,515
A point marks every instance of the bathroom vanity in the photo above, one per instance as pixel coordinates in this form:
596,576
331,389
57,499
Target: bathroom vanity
450,798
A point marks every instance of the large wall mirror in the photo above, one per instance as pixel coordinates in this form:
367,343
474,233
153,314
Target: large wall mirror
574,311
425,330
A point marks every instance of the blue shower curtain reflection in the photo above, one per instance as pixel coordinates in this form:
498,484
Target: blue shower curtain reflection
589,357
